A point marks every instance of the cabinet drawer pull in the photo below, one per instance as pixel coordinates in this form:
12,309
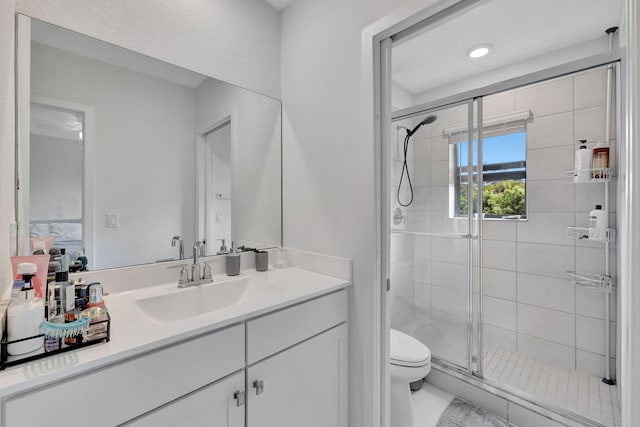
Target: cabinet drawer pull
239,397
259,386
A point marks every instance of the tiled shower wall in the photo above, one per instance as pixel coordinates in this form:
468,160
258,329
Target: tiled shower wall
529,305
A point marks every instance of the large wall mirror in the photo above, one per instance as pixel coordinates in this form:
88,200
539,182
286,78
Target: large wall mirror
118,153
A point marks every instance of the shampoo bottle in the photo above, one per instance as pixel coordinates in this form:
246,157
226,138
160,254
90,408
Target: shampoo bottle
598,223
582,163
23,320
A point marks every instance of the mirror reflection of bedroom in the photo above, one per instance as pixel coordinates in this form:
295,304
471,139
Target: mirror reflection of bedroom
56,197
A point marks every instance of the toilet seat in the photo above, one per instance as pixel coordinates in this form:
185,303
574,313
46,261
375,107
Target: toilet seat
407,351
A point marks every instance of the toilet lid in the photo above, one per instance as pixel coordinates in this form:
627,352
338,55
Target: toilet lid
408,351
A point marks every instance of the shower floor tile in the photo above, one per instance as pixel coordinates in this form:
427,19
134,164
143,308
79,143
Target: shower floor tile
566,388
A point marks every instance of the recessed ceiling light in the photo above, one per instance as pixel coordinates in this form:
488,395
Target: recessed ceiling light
479,51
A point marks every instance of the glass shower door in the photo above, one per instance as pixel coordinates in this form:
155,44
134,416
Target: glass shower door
432,249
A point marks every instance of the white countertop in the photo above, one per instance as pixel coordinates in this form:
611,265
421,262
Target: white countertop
134,333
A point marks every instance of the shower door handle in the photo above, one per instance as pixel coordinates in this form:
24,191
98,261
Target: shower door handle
388,285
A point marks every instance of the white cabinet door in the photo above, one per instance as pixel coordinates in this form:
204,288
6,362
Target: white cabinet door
305,385
215,405
133,387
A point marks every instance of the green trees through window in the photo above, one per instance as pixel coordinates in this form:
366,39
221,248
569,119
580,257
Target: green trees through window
502,198
504,175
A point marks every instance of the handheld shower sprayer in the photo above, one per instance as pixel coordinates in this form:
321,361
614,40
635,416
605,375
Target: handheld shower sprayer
405,168
427,121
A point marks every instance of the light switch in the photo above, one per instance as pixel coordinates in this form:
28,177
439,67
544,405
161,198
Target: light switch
112,220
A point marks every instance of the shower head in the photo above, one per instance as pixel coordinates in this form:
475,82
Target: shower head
427,121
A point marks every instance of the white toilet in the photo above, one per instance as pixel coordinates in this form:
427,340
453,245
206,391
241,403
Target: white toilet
410,361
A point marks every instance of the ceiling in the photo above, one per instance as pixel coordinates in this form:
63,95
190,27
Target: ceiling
517,29
279,4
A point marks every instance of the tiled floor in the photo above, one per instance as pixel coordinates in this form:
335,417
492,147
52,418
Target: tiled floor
569,389
428,404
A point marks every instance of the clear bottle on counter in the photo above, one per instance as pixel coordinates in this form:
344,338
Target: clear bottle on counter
67,292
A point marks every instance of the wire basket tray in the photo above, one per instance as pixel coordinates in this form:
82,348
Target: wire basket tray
595,235
99,331
596,282
596,175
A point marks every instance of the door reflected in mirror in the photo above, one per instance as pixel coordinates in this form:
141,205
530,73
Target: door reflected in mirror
56,196
217,185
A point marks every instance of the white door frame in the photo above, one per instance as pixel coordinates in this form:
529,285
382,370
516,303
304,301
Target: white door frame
629,274
201,186
374,125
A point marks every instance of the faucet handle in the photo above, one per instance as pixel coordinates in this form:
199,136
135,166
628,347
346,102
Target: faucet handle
195,272
206,272
184,275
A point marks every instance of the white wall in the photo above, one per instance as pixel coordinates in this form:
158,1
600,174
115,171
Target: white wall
328,163
235,41
143,150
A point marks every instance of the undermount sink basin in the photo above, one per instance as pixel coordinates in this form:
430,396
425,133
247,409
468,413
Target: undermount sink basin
197,300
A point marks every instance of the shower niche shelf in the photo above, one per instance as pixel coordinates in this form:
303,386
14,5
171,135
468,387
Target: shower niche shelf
582,233
597,282
597,175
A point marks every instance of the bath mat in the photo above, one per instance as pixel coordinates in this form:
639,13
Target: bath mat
463,414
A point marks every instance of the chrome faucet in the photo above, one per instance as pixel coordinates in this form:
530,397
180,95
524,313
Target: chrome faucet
195,278
175,239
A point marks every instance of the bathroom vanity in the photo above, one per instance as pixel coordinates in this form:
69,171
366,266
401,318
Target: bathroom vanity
271,351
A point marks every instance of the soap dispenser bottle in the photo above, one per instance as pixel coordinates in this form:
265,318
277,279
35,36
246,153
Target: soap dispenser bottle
223,248
233,261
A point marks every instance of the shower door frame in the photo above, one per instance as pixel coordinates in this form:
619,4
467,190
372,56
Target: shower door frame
382,41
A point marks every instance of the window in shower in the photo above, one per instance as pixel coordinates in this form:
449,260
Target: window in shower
503,171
